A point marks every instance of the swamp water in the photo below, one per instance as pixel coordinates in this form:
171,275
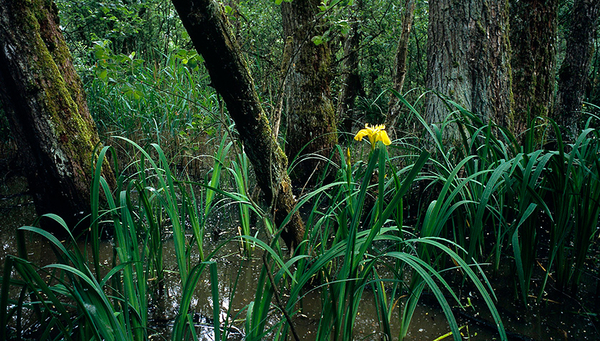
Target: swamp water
556,318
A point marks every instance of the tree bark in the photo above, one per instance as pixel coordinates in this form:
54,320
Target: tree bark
533,25
210,32
573,73
401,56
311,121
44,101
351,86
468,59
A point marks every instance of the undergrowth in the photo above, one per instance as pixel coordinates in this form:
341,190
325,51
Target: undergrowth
487,201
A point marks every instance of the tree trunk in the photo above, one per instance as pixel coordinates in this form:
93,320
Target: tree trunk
351,86
210,32
468,59
533,26
573,73
311,122
45,104
401,56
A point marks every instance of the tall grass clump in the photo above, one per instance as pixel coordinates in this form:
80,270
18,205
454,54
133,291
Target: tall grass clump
573,187
482,198
78,296
239,171
489,192
497,196
356,241
166,102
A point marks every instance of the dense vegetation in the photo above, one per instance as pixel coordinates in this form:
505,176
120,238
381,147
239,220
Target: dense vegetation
422,215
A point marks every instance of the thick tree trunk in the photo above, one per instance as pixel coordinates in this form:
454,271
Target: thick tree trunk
45,104
533,25
468,59
351,86
311,121
209,30
401,56
573,73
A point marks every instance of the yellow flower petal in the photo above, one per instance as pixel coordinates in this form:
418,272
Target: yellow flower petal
374,133
362,133
348,162
383,137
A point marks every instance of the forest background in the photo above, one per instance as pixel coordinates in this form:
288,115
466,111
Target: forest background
495,94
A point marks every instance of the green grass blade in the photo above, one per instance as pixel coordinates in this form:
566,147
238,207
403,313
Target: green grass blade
214,285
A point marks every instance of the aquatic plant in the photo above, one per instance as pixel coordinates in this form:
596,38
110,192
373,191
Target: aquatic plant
483,198
494,195
359,232
85,297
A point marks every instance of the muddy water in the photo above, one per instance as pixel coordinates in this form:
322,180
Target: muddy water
559,317
428,323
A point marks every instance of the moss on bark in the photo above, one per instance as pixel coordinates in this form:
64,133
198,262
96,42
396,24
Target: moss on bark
312,123
46,107
533,27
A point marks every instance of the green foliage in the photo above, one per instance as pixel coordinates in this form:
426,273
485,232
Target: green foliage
113,306
129,26
573,185
485,197
239,171
492,194
357,233
166,103
351,239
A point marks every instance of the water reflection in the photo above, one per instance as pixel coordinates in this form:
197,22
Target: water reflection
428,322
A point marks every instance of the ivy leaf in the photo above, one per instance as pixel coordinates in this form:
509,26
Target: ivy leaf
344,28
318,40
103,75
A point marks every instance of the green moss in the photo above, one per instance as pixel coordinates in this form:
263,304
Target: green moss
75,136
480,27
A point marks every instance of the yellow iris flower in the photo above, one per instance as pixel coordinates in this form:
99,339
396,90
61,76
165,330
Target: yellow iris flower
374,133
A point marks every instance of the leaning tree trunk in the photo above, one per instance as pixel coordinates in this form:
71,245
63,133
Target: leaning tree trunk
533,25
573,73
311,121
210,32
43,99
468,59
